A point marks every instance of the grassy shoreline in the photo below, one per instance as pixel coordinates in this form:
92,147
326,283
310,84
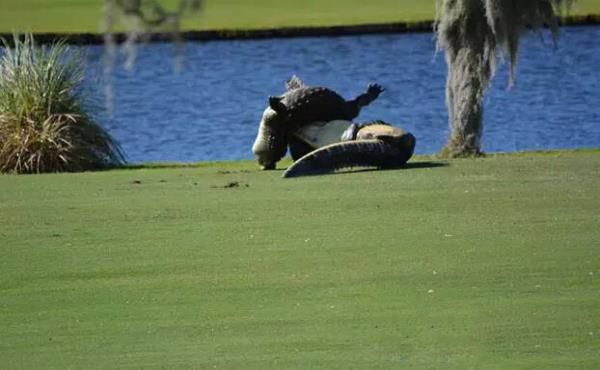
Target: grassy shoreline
476,263
73,17
283,32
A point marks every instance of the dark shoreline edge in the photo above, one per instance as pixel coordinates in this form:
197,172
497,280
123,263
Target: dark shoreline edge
277,33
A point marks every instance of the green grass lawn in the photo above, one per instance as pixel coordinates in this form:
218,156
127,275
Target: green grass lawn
478,264
84,15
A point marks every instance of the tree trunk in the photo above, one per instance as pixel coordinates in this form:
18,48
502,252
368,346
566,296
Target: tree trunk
464,93
469,73
470,31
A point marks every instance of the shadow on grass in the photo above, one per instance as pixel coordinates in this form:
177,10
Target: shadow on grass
408,166
425,164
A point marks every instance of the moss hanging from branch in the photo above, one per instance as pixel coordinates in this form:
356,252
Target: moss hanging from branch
140,19
474,33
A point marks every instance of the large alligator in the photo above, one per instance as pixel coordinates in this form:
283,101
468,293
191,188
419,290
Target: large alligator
376,144
298,107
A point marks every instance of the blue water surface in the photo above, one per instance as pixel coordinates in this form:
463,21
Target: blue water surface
211,108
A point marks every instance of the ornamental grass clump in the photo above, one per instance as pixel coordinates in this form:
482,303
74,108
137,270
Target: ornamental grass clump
44,125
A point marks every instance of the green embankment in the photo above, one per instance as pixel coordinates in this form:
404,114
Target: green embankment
73,16
481,264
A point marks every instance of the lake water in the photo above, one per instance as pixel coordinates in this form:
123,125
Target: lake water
210,110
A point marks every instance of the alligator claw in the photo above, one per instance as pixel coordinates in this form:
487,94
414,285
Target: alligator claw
375,89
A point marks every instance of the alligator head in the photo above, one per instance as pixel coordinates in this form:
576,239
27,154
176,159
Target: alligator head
271,142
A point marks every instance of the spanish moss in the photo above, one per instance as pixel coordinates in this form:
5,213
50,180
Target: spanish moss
474,33
140,19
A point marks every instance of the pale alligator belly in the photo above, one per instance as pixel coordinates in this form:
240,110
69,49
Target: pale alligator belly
372,131
320,134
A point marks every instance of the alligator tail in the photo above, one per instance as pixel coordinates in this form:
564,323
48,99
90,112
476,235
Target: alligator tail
294,83
361,153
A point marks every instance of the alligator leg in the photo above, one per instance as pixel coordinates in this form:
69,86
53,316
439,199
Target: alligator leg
298,148
354,106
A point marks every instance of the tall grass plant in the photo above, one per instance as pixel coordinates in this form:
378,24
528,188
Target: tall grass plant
45,125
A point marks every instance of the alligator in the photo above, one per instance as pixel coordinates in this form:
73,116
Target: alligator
375,144
298,107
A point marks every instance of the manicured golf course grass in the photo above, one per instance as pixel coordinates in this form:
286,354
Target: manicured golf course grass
469,264
73,16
